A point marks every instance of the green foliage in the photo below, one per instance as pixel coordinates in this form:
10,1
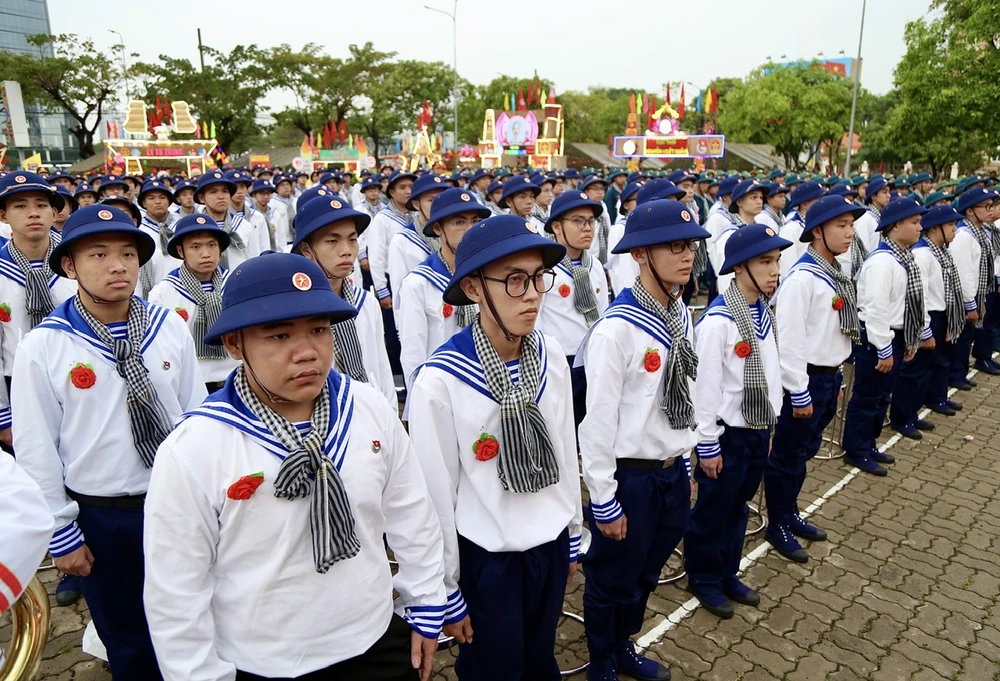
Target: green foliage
76,79
477,99
795,109
228,92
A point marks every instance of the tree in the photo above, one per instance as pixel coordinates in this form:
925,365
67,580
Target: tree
227,93
793,108
392,97
476,99
694,121
70,75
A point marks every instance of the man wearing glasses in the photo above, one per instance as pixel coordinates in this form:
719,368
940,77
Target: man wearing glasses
492,411
578,300
637,436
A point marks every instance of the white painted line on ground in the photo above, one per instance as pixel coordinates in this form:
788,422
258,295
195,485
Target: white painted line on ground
758,552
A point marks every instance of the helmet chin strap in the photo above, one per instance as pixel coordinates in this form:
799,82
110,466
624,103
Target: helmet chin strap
659,282
97,300
753,280
316,259
273,398
493,310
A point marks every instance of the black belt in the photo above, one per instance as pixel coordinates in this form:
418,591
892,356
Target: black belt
646,464
815,369
135,501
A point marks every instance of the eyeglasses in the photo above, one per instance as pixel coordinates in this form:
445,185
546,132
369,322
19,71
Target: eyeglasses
461,223
516,283
678,247
581,223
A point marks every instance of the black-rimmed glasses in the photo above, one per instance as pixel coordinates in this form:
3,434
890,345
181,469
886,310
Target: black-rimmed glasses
678,247
516,283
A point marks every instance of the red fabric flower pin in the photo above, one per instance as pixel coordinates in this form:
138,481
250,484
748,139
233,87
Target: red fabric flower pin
743,350
486,447
565,290
448,310
182,312
4,312
83,376
838,303
651,360
243,489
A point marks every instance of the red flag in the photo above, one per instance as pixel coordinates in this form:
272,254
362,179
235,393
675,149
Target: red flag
668,93
645,103
538,90
715,100
521,105
650,123
552,96
343,131
531,93
108,124
159,107
680,104
166,110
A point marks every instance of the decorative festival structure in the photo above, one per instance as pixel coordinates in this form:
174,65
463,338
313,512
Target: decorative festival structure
512,136
144,143
334,146
663,137
422,151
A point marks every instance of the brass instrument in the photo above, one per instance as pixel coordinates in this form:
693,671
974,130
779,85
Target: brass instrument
30,626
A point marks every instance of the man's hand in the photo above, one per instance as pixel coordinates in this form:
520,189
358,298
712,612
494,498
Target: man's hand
6,436
572,570
460,631
77,562
910,354
928,344
802,412
616,529
422,651
884,366
386,303
712,467
364,264
972,316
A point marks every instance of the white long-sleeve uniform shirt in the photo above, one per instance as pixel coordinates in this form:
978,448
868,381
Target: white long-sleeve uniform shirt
557,315
371,335
932,277
171,294
379,233
25,530
966,252
231,584
253,230
621,266
79,437
882,297
721,226
808,327
14,318
449,410
162,261
792,230
764,218
280,215
718,390
424,320
624,419
407,249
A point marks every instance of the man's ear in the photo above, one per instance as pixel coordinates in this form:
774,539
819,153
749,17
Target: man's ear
471,288
68,266
231,341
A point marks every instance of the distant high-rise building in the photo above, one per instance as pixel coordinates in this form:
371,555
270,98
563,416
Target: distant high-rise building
48,132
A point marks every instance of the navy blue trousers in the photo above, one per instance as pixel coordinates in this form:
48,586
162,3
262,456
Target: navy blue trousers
958,361
113,590
622,574
937,383
578,376
713,544
915,384
982,347
515,601
870,398
795,442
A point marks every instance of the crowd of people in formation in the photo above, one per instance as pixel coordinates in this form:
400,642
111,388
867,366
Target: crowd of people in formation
201,416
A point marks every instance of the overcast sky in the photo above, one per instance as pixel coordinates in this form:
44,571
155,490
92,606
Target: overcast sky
576,45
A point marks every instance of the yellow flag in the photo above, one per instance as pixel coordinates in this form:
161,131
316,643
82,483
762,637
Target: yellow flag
33,163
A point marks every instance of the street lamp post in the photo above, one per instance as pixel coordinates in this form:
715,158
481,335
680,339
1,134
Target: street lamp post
854,99
454,39
121,42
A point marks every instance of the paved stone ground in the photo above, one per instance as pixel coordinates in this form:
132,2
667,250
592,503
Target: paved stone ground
906,589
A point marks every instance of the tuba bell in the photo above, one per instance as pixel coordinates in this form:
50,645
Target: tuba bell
30,631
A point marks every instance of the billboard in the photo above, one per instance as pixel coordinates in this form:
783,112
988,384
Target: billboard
13,106
673,146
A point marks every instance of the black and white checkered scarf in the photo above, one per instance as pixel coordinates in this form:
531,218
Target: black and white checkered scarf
37,297
681,364
778,218
584,299
850,324
987,275
913,313
603,229
347,344
526,461
464,314
148,419
235,240
209,308
756,408
954,305
308,472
